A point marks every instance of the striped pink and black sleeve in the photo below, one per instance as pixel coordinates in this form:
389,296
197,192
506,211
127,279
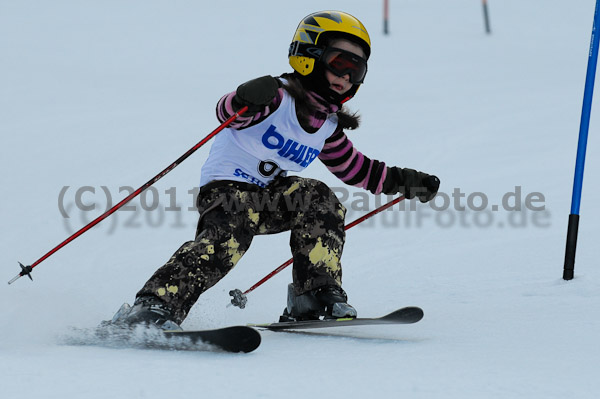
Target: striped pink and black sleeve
350,165
227,106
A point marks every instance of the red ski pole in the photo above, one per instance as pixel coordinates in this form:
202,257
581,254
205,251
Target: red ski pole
239,298
26,270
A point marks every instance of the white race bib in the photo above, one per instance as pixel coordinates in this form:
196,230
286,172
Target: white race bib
261,152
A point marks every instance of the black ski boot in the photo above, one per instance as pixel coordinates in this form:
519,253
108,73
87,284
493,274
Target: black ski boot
146,310
328,302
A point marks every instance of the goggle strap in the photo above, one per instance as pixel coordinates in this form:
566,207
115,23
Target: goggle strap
305,50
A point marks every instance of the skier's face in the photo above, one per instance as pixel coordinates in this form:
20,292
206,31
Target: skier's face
341,84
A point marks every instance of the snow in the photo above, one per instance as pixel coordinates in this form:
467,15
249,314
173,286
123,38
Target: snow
107,94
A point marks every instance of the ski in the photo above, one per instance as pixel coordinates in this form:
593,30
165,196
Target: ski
407,315
228,339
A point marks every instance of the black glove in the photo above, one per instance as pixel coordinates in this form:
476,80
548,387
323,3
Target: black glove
411,183
257,93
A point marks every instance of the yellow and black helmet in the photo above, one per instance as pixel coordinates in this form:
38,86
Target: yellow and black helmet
312,33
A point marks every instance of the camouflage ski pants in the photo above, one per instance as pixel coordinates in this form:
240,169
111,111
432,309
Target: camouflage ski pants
231,214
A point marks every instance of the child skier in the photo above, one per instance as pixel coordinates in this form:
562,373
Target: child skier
291,121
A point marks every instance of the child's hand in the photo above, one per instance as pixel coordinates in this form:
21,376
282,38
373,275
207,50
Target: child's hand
431,184
411,183
257,93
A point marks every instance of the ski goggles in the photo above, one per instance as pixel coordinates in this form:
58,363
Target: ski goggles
341,62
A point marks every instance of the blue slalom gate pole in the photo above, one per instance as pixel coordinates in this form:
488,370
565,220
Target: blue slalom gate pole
584,126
